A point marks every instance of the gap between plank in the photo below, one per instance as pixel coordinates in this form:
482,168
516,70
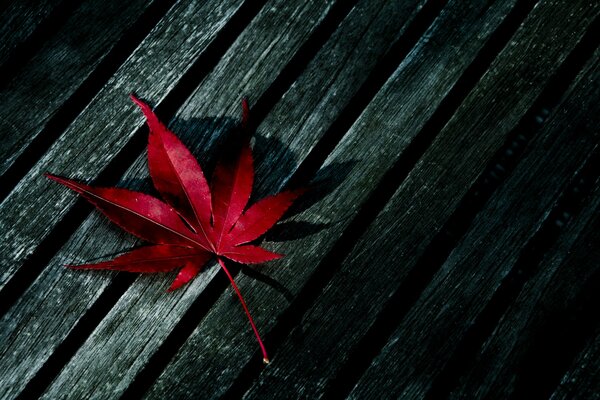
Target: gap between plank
75,216
73,105
109,176
215,288
379,197
564,345
440,247
376,79
570,204
374,82
185,86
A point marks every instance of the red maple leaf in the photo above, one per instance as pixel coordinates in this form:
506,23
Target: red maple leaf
194,222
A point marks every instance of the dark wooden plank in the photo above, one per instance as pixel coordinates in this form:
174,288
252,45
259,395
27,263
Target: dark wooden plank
107,123
248,66
19,19
402,106
323,89
582,381
430,332
314,351
63,63
153,71
535,329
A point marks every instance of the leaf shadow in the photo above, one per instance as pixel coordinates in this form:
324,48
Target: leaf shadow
210,138
327,179
266,279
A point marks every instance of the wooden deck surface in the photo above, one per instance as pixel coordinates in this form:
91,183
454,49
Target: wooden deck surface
448,246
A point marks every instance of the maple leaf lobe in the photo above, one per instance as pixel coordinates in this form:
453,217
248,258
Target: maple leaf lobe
196,220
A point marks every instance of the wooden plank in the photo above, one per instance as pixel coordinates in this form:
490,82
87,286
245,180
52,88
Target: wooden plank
582,381
430,332
19,20
324,89
483,122
249,65
313,353
537,318
107,123
60,67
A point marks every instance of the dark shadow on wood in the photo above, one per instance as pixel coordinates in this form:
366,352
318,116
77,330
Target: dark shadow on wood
119,164
371,344
326,180
293,230
230,134
259,276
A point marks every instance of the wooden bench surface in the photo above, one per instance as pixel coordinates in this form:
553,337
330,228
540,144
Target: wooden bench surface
448,246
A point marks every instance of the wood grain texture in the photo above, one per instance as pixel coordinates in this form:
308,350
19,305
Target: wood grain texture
107,123
451,224
459,291
285,139
368,150
246,67
18,20
529,333
315,351
322,342
65,60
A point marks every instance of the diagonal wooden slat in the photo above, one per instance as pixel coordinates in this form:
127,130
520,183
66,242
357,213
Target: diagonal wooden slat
429,333
373,144
284,139
327,335
104,128
157,64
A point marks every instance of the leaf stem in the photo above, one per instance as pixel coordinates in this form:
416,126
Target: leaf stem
239,294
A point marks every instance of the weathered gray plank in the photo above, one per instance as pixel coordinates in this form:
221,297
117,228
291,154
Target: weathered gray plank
250,65
373,144
107,123
550,292
324,89
432,329
32,97
313,353
582,381
19,20
152,71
